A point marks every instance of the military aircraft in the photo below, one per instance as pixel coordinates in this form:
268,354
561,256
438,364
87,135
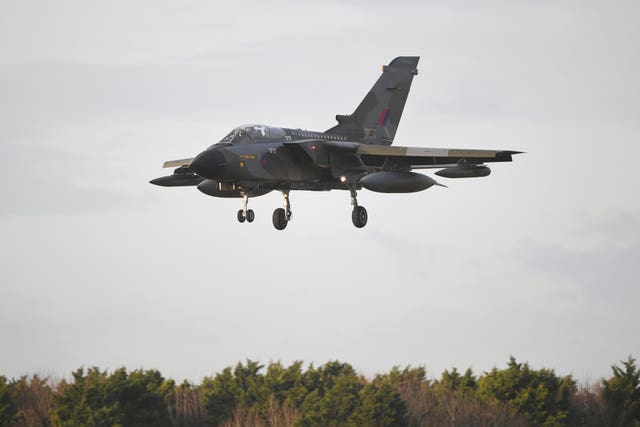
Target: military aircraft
253,160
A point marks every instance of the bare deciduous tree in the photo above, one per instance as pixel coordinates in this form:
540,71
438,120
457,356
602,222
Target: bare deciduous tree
33,398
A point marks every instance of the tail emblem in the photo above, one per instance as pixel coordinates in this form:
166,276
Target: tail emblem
384,116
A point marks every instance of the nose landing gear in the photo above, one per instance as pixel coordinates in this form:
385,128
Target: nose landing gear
245,214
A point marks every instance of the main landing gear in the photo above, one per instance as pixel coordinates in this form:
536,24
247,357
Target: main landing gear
281,217
245,214
359,214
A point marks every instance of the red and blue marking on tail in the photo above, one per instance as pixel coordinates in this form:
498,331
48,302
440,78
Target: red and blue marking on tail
384,116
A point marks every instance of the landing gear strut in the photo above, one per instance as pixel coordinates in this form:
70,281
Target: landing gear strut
245,214
359,214
281,217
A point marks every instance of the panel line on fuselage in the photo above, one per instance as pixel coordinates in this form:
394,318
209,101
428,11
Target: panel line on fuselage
303,134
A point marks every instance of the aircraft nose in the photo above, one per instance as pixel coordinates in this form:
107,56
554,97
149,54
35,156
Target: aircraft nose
209,164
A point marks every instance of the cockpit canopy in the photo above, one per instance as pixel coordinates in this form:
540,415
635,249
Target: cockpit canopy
253,133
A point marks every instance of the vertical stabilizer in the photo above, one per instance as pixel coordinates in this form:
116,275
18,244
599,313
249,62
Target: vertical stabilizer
376,119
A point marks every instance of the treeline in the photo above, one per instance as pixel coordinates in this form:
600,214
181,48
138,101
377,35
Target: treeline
333,394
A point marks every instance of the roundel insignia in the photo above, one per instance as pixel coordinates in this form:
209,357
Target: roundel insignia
264,161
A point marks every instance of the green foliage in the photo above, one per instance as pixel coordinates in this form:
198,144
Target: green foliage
330,395
380,404
540,395
220,395
119,399
286,384
333,394
622,393
465,385
7,407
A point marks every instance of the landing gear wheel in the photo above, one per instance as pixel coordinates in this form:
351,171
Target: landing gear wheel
241,217
280,219
250,215
359,216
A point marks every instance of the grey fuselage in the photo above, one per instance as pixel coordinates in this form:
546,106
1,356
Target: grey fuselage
255,159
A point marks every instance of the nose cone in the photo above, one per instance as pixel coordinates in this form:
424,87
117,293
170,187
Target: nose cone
209,164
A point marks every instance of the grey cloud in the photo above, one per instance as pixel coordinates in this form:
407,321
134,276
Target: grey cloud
608,272
40,181
43,95
604,271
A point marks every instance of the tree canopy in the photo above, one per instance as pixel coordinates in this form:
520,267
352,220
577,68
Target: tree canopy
333,394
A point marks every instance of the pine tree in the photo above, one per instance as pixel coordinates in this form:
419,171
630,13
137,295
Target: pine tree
622,394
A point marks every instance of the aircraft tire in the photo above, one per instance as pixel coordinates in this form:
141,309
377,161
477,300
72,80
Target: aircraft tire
359,216
250,215
280,219
241,217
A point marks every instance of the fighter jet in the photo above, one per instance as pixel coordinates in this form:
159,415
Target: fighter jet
253,160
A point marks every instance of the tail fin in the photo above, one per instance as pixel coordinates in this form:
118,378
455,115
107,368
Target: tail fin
376,119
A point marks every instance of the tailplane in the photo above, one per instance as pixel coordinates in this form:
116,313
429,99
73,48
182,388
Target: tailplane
376,119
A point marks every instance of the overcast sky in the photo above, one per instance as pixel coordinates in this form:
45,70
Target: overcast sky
539,260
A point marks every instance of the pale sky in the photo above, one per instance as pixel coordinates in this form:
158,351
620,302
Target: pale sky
539,260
